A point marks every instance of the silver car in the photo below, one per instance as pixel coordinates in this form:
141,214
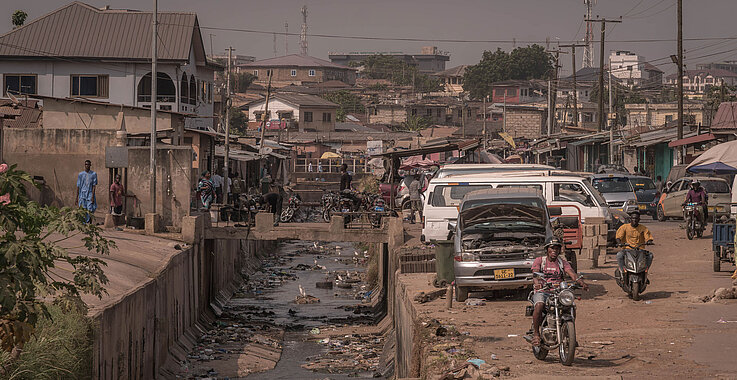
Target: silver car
617,190
498,234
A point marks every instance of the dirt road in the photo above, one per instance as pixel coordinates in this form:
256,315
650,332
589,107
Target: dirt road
667,334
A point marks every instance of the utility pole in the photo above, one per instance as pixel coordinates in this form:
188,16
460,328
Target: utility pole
575,89
550,108
286,38
680,80
303,34
553,89
504,113
588,50
275,51
154,79
266,112
485,121
226,170
603,22
610,119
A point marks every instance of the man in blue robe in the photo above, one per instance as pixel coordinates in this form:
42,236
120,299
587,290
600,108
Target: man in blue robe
86,184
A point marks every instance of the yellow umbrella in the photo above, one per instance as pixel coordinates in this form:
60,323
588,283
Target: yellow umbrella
327,155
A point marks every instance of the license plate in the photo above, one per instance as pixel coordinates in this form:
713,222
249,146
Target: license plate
643,207
346,210
501,274
620,209
711,208
378,208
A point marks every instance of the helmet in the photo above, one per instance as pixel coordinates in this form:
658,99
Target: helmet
554,241
696,182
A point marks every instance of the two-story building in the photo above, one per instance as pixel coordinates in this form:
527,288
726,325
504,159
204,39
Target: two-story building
697,81
295,69
519,91
452,79
648,116
104,54
294,111
632,70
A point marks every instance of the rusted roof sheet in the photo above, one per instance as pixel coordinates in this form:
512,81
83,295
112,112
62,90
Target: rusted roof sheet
20,116
295,60
80,30
726,117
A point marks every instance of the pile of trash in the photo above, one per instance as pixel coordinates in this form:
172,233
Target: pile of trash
353,354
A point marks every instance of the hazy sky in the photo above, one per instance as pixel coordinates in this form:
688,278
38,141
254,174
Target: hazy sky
498,20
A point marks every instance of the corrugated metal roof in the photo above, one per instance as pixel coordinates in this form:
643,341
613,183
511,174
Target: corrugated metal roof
300,100
726,117
80,30
296,60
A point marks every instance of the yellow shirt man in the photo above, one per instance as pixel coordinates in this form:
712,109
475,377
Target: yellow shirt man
634,236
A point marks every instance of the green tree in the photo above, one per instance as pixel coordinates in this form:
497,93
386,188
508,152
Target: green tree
715,95
622,95
348,102
398,72
30,250
19,18
531,62
415,123
238,121
239,82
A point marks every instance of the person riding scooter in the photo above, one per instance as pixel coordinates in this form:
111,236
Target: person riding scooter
698,195
555,267
633,236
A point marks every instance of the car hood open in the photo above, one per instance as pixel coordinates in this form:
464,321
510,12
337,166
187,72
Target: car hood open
503,212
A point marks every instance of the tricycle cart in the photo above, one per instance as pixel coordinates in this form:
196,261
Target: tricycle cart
722,242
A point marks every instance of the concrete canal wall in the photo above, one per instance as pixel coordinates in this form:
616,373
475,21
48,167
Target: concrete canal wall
147,331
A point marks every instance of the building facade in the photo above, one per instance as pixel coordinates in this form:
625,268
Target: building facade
430,60
294,111
297,70
698,81
48,58
632,70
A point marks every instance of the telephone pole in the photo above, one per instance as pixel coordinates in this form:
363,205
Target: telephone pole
226,170
154,80
575,89
286,38
553,92
603,22
680,80
610,120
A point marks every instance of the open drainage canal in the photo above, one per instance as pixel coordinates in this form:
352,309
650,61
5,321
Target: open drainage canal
281,325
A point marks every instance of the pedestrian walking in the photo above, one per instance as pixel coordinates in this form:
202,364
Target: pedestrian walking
659,184
206,189
414,198
217,183
86,184
116,197
345,178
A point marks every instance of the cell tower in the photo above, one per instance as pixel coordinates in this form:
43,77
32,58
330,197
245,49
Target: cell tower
588,50
286,38
303,35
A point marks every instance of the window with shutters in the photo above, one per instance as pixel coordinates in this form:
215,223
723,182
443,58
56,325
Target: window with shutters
92,86
19,84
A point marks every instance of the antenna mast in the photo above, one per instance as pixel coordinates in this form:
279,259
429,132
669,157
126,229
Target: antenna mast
588,51
286,38
303,35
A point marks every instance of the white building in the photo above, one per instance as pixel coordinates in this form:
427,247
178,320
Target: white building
633,70
697,81
79,51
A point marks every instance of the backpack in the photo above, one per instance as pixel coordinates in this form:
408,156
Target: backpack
560,265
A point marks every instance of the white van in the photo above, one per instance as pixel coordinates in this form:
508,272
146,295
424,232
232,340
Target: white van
444,195
467,169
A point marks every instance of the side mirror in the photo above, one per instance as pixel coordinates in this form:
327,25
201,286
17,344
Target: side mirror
452,226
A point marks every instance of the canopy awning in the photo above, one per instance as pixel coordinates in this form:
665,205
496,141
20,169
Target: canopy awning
719,159
692,140
328,155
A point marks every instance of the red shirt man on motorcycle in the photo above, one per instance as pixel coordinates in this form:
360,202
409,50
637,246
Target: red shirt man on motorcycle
555,268
698,195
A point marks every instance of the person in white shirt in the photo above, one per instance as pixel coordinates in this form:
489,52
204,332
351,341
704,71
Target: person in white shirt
217,181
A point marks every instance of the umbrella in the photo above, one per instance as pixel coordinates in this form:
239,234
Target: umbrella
327,155
719,159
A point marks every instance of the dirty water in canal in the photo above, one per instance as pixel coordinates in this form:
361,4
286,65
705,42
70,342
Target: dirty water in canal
274,327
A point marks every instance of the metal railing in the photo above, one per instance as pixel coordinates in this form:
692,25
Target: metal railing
330,165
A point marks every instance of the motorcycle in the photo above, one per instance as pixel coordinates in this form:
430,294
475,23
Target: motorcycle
694,225
634,279
330,202
558,328
350,202
293,205
377,207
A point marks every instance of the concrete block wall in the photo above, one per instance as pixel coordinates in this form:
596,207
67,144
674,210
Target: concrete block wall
523,123
594,243
150,329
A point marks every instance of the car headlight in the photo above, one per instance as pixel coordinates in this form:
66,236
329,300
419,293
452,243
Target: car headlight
470,257
566,298
631,202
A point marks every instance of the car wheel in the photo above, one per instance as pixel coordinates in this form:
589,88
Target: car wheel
661,214
406,205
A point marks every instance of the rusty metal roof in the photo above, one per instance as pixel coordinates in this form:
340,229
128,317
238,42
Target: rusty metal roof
80,30
295,60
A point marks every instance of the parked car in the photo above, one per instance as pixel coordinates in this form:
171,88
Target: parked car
401,191
498,234
671,202
617,190
647,195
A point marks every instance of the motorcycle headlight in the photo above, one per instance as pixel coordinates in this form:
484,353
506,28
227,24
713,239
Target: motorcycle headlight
629,264
566,298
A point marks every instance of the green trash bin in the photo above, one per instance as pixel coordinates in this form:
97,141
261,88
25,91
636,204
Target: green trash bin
445,273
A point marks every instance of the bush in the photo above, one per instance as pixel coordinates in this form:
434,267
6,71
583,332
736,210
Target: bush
61,348
369,184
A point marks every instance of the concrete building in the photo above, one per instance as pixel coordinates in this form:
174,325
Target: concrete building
645,117
106,56
519,91
430,60
294,111
698,81
452,79
633,70
728,66
525,121
236,60
298,69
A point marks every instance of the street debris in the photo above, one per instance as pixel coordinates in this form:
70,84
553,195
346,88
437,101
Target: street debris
475,302
427,297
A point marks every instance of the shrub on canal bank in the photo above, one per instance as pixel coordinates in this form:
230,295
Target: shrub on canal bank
60,348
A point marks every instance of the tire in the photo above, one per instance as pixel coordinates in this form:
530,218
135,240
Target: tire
326,214
636,291
571,257
718,260
661,214
461,294
567,348
406,205
689,230
700,232
286,215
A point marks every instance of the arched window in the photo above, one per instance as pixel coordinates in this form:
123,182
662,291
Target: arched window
184,89
165,90
192,90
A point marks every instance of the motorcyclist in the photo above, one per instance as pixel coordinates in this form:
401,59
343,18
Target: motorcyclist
554,266
633,236
698,195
